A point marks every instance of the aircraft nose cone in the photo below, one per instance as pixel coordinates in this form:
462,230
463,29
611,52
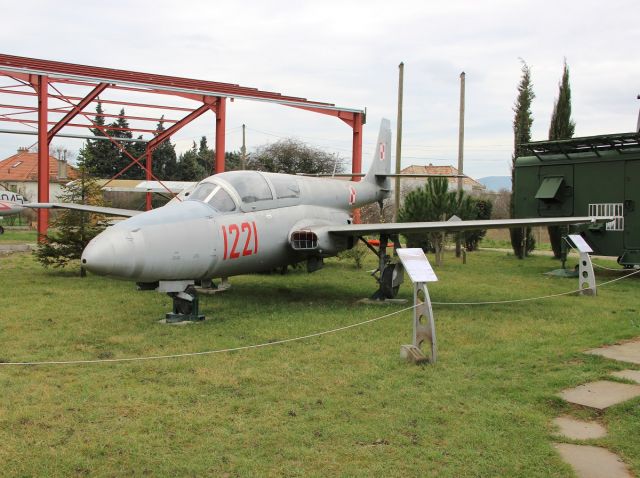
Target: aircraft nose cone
97,257
110,253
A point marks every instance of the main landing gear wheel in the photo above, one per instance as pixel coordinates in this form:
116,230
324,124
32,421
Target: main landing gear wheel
391,274
387,281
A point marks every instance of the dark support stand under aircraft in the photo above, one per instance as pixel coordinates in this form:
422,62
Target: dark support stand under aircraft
241,222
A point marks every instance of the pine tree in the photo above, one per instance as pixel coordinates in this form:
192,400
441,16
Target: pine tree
481,209
433,202
71,231
562,127
522,241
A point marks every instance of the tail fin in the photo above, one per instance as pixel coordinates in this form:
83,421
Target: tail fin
381,164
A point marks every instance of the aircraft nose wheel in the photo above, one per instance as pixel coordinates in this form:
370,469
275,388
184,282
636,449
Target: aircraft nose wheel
185,306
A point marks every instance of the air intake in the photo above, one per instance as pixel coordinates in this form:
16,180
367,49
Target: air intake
304,241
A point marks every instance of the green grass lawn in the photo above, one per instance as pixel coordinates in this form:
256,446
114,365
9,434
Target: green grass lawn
18,237
338,405
505,244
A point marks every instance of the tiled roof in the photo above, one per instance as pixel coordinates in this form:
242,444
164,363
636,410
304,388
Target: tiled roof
23,166
442,170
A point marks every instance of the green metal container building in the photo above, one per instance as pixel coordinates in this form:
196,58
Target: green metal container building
592,176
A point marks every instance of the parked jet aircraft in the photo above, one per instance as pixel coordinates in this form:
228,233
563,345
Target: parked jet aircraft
241,222
10,203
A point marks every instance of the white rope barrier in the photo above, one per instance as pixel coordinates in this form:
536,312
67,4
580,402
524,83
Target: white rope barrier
284,341
607,268
208,352
513,301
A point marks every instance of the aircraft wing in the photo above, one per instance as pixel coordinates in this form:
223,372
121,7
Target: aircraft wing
108,211
8,208
356,230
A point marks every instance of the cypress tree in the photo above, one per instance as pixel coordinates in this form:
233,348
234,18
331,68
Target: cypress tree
205,157
104,159
562,127
99,156
189,167
165,162
522,241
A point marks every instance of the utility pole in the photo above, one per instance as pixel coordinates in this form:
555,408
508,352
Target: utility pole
243,150
638,125
396,205
460,151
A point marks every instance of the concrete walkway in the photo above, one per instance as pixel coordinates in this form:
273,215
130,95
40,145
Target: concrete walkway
591,461
11,248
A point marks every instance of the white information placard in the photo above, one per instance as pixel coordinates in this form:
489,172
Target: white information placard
416,264
580,243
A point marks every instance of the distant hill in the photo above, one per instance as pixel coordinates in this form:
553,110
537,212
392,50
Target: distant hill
496,183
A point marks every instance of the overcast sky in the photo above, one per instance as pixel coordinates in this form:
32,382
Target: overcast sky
347,53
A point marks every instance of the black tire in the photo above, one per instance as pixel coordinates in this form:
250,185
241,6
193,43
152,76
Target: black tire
386,281
1,230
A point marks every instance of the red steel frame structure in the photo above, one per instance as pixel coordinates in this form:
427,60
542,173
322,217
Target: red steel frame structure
43,79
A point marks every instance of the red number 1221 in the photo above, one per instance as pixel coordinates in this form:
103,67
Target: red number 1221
232,234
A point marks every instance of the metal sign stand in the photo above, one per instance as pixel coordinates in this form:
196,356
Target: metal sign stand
586,276
424,326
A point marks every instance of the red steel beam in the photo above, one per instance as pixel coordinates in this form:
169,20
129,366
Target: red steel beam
103,130
221,119
65,109
54,68
76,109
160,137
356,156
148,169
355,120
21,67
346,116
78,125
356,150
31,109
42,87
106,102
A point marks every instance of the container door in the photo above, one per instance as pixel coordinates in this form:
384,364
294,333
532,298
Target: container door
555,190
632,205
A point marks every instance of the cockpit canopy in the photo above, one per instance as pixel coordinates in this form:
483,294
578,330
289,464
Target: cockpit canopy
251,187
214,195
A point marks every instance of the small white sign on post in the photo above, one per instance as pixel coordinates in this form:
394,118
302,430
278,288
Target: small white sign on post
417,265
580,243
424,328
586,276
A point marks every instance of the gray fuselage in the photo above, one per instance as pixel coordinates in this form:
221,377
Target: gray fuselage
231,223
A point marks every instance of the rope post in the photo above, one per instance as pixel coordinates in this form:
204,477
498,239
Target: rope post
586,276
